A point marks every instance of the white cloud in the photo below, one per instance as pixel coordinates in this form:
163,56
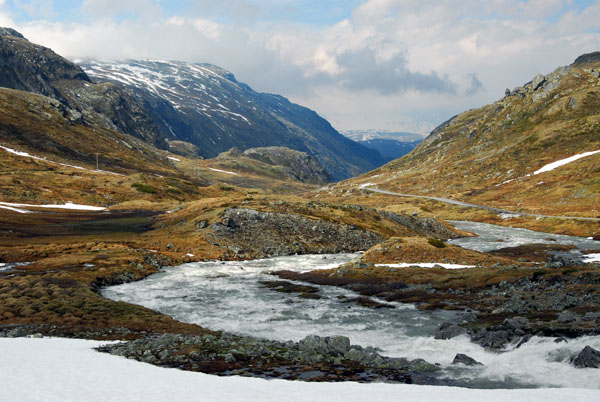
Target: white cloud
408,63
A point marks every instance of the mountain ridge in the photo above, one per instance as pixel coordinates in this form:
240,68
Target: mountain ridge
209,109
206,106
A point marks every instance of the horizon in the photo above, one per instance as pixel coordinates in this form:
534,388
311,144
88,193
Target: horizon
378,64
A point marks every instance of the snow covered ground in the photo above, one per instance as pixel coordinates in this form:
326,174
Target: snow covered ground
69,205
222,171
425,265
28,155
562,162
56,369
589,258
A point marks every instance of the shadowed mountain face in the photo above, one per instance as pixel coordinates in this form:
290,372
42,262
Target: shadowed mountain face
206,106
389,148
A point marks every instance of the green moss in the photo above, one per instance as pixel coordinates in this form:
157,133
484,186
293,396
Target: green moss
436,242
144,188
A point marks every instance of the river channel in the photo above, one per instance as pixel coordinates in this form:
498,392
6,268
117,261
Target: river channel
228,296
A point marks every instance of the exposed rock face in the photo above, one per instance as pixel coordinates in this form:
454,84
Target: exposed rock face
297,165
29,67
185,149
587,58
248,231
429,227
587,358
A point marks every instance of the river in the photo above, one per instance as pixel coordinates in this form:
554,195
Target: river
228,296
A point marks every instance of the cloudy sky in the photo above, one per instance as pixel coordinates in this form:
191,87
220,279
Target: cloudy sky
403,65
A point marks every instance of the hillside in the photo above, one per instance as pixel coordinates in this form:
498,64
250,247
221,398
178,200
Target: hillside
494,155
196,110
206,106
47,158
33,68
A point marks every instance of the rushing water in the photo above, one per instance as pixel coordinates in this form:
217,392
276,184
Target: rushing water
228,296
494,237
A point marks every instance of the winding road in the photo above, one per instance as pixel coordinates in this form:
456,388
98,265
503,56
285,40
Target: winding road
466,204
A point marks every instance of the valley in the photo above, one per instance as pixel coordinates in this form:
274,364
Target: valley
216,229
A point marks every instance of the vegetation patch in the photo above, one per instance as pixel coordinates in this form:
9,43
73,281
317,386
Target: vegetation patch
436,242
144,188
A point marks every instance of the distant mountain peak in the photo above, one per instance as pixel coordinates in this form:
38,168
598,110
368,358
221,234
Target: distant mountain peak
10,32
587,58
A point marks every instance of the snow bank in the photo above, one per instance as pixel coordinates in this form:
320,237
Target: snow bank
562,162
222,171
28,155
21,211
68,205
425,265
54,369
591,258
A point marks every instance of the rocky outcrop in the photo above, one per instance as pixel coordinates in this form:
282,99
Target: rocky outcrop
313,358
428,227
587,58
297,165
248,232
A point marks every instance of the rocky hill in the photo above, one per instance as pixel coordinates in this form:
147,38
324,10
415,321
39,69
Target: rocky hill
29,67
206,106
499,154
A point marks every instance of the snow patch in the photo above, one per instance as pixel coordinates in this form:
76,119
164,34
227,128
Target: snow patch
173,159
425,265
505,215
223,171
68,205
28,155
21,211
96,377
562,162
365,185
591,258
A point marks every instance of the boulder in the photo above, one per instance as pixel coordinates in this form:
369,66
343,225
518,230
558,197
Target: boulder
448,331
587,358
538,81
466,360
567,316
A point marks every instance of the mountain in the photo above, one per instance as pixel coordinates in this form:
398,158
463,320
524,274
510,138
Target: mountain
205,105
496,154
390,148
365,135
33,68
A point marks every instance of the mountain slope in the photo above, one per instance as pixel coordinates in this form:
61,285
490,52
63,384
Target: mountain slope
205,105
33,68
491,155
